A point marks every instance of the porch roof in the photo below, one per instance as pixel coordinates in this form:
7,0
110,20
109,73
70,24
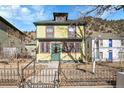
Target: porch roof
59,39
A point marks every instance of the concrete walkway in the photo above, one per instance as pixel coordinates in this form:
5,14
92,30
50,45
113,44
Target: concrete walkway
53,64
46,75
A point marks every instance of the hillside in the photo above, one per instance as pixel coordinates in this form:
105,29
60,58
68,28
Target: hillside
100,25
31,34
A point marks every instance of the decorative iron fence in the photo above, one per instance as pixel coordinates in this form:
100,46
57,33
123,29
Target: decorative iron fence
9,76
81,77
54,77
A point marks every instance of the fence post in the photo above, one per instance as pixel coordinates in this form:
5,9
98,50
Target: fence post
55,80
4,76
22,79
34,69
18,67
59,71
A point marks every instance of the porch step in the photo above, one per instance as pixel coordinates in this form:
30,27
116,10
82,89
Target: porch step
53,64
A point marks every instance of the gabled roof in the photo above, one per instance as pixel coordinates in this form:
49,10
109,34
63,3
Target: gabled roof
9,24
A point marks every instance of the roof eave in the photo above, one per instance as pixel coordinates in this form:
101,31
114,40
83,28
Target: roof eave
69,23
59,39
8,23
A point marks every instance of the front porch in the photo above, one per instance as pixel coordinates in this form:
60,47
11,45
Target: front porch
59,50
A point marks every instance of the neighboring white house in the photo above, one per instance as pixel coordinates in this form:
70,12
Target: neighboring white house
105,47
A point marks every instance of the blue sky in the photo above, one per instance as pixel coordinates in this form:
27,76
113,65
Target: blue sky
23,16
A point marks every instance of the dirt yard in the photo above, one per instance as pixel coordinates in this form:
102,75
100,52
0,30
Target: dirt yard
89,66
14,63
23,62
116,65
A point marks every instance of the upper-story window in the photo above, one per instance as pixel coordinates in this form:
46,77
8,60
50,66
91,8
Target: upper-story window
49,31
110,42
100,42
122,42
72,31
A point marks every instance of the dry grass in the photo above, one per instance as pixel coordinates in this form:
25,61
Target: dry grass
89,65
115,65
14,63
83,72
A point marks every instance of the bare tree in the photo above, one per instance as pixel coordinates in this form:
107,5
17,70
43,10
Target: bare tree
70,48
85,33
101,9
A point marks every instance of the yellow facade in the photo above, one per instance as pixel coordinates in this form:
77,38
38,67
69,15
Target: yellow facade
79,31
59,32
64,56
41,32
43,56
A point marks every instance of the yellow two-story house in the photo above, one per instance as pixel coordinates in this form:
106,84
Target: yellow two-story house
59,39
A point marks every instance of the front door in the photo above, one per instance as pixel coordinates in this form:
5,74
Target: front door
55,52
110,55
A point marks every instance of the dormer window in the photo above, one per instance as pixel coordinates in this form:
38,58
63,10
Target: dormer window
60,16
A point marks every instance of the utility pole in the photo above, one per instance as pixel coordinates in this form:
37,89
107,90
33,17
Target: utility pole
96,45
94,61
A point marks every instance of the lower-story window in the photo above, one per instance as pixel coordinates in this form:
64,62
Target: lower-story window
71,47
101,55
120,55
77,46
67,47
44,47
